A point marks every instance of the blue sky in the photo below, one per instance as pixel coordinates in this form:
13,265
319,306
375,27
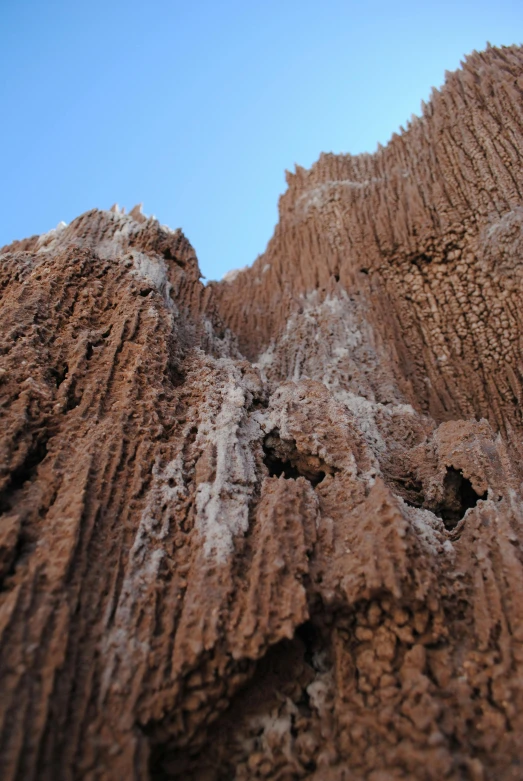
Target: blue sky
197,108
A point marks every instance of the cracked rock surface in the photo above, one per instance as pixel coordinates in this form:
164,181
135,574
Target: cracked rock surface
272,528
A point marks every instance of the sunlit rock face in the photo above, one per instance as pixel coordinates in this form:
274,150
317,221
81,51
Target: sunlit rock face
272,527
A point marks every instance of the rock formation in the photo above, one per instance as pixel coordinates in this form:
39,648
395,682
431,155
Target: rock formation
273,527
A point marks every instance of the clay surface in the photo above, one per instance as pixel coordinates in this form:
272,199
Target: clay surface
272,528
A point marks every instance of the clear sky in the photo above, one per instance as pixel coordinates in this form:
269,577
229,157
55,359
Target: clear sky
197,108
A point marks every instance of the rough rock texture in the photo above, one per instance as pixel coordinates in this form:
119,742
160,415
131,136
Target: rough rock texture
272,527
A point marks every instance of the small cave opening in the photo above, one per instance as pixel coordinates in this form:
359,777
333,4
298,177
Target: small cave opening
277,467
282,458
458,497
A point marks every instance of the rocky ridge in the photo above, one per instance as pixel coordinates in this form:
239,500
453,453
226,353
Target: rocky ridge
272,527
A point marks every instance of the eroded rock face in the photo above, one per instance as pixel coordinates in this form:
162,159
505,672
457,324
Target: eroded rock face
272,527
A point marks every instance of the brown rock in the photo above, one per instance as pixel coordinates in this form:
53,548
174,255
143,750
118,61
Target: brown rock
302,563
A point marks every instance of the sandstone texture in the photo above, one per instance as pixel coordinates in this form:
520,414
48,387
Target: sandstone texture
272,527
